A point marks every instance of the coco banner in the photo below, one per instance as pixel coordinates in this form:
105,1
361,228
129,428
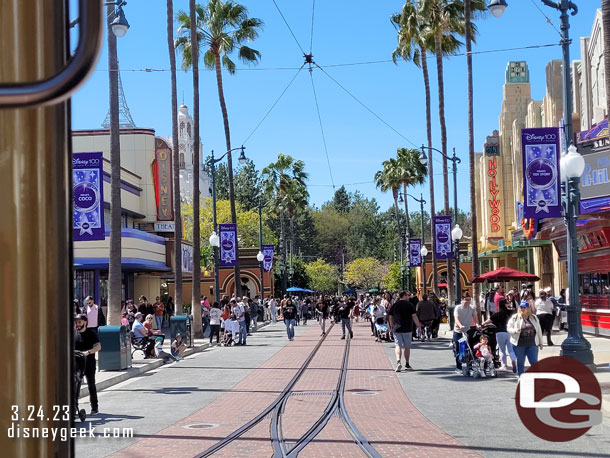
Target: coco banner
228,245
268,251
541,182
414,252
442,237
88,196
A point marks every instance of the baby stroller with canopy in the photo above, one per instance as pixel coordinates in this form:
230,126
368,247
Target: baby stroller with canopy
382,329
80,363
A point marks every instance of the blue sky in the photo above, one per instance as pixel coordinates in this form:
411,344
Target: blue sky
344,32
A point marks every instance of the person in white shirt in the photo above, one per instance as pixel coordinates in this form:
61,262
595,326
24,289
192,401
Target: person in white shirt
273,309
92,311
544,313
240,316
215,322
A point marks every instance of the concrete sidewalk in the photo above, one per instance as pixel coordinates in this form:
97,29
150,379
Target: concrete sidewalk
139,365
601,353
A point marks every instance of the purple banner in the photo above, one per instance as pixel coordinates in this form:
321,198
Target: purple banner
541,182
442,236
415,252
228,245
268,251
88,196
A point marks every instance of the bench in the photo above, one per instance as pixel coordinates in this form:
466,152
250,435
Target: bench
137,345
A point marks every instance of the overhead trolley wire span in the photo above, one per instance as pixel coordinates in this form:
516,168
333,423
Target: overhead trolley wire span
289,28
273,106
315,97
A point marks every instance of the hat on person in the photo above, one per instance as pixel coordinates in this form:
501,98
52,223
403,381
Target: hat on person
524,304
178,335
81,316
159,338
138,314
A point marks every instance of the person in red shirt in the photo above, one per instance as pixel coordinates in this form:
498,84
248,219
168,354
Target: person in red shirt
498,297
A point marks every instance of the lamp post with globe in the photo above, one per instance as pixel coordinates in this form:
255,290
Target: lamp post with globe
456,236
423,251
214,238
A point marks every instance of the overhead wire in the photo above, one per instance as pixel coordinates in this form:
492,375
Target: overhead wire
288,25
364,105
274,104
315,97
546,17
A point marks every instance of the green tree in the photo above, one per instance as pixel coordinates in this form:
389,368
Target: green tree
364,237
341,200
221,27
364,273
221,178
332,228
248,186
284,181
323,276
392,279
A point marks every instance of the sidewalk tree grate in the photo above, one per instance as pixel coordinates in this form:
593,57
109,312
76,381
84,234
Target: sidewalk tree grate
202,426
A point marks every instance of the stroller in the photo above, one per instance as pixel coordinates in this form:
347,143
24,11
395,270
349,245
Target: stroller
382,329
80,363
471,365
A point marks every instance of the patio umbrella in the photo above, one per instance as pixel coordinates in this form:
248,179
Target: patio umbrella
505,274
294,289
349,291
373,290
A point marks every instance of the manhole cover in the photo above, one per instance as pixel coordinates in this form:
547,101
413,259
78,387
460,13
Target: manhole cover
202,426
366,393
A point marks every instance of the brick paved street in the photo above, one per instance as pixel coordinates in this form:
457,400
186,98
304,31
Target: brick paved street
182,409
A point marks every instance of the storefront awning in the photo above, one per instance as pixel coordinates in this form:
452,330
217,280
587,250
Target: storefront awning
131,264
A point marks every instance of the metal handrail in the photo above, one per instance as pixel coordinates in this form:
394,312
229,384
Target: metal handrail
78,69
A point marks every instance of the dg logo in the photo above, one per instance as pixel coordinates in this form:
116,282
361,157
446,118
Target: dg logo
559,399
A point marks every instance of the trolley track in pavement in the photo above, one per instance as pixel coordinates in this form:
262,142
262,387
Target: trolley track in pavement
284,395
336,406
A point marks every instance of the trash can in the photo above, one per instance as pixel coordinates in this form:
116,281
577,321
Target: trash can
115,354
181,324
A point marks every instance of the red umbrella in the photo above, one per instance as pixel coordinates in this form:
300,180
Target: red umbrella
505,274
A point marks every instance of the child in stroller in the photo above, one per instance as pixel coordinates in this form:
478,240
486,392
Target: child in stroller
382,329
471,365
80,363
484,356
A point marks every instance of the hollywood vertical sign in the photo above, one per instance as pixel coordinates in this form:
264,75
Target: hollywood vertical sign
494,191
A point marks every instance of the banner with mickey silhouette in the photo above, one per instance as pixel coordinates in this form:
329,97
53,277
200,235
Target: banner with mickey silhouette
88,196
442,237
541,182
414,252
228,245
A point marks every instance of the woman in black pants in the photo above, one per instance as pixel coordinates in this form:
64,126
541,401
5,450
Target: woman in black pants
215,322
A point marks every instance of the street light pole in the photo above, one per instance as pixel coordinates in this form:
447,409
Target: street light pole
260,257
424,250
455,160
575,345
214,238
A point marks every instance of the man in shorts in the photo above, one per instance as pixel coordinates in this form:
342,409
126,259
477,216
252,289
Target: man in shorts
402,315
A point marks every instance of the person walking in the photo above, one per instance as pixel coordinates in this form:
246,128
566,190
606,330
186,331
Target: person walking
240,316
86,341
273,310
463,315
544,313
215,323
500,320
402,315
426,314
345,308
289,312
525,335
322,309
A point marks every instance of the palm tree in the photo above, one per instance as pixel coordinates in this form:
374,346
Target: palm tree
196,298
279,179
412,172
175,161
295,199
606,27
222,27
415,40
390,179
